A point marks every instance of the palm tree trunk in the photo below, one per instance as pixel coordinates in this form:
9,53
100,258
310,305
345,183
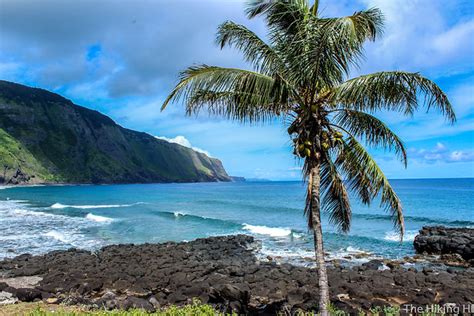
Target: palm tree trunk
318,240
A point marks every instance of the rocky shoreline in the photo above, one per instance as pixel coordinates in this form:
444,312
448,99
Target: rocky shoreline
221,271
455,246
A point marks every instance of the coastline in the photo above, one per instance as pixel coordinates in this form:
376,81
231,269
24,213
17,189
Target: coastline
223,272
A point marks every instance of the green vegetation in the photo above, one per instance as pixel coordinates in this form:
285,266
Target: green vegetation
50,139
40,309
14,156
196,308
301,75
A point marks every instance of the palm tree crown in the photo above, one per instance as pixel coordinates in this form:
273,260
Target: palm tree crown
302,74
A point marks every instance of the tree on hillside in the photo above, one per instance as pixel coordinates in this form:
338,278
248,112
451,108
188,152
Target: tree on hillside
302,74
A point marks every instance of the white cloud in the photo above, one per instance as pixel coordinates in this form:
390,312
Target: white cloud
441,153
183,141
420,35
461,156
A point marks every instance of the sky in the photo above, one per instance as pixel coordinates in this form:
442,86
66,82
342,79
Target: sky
122,58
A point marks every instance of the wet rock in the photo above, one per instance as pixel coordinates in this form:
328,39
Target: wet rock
373,264
442,240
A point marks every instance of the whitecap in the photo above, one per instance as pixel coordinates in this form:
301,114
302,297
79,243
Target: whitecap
58,236
179,214
270,231
351,249
26,229
298,235
98,218
395,236
87,207
28,213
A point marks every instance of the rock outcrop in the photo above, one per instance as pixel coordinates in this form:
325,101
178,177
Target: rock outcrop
450,243
224,272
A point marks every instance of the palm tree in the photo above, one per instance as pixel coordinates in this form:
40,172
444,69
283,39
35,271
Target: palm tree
301,75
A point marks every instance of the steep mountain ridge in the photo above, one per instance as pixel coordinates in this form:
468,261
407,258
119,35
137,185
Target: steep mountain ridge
46,138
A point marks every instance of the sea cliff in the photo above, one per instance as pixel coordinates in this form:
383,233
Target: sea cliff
45,138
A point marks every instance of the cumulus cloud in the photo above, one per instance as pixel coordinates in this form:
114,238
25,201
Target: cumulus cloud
183,141
441,153
424,35
137,46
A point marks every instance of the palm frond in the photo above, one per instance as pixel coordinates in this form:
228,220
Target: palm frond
282,17
396,91
325,50
233,105
335,199
263,57
359,27
366,177
372,130
248,95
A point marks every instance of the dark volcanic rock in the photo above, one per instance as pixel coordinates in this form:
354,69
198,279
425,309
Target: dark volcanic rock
224,272
446,241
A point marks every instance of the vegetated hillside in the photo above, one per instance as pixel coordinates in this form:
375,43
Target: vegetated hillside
45,138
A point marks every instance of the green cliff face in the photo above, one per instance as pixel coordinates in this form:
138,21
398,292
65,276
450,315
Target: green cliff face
45,138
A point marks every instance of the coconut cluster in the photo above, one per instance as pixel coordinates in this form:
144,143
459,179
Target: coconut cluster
330,139
304,147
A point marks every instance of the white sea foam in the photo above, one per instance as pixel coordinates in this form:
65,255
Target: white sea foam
178,214
59,236
98,218
351,249
27,229
87,207
270,231
27,213
394,236
298,235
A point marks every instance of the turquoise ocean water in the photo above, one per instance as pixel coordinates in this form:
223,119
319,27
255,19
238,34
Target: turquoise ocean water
44,218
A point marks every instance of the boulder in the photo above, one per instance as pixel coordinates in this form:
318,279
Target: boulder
441,240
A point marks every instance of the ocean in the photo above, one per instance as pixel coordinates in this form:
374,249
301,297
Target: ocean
44,218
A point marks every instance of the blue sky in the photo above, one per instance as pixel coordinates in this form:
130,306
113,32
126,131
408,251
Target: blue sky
123,57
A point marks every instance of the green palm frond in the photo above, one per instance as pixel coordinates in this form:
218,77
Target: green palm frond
361,26
264,58
239,106
249,89
325,50
283,17
366,177
372,130
335,199
395,91
315,8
